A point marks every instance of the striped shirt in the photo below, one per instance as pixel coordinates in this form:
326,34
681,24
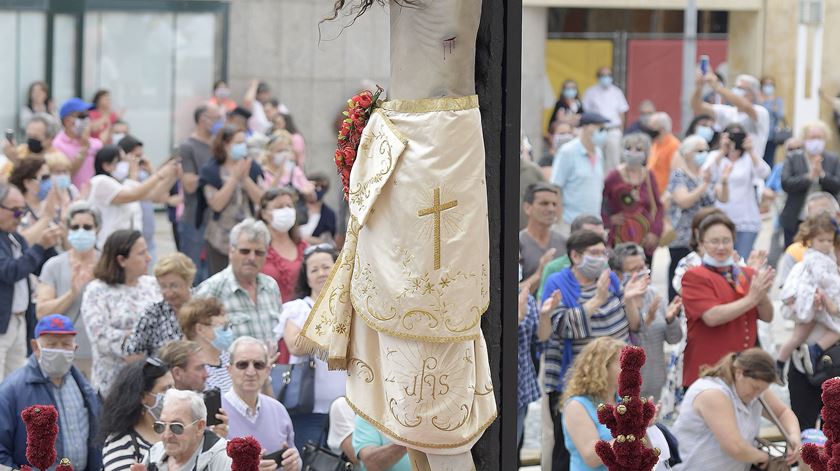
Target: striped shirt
573,323
246,317
218,376
120,452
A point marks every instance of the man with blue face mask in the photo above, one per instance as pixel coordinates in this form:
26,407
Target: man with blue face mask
49,378
607,100
579,171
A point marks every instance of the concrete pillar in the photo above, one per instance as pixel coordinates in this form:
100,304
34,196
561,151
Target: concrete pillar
536,92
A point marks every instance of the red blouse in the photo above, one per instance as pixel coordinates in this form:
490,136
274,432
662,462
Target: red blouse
284,271
703,289
641,208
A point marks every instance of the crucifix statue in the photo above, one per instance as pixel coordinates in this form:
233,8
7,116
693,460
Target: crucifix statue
401,310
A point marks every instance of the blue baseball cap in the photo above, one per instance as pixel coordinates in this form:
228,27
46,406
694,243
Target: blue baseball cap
55,324
74,105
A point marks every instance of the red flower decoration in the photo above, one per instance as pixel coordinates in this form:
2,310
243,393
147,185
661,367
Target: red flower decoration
357,115
41,431
628,420
245,453
64,465
827,457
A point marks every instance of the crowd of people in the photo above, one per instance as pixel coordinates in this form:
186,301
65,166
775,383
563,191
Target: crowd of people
131,345
606,195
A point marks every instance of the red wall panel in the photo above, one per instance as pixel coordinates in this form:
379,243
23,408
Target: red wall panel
654,72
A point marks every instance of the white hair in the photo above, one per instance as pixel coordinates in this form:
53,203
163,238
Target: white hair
195,401
251,228
822,195
692,142
818,125
663,120
752,82
246,340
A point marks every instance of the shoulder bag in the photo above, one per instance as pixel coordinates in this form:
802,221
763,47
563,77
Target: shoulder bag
776,451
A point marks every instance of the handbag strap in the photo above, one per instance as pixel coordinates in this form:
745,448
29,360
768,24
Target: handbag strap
774,419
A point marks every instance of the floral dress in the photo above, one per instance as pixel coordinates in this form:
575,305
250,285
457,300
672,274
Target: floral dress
816,270
110,313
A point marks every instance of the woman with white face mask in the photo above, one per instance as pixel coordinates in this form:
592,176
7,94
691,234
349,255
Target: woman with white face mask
116,194
285,254
633,211
64,277
808,168
131,409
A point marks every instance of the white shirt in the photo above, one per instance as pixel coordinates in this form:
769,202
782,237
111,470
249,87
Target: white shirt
103,190
20,298
329,385
342,422
608,102
242,408
742,205
758,129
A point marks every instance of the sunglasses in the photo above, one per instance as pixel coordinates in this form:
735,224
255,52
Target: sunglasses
257,252
16,212
76,227
312,248
175,427
259,365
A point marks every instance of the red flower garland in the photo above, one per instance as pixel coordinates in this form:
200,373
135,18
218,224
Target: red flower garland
245,452
41,432
827,457
358,112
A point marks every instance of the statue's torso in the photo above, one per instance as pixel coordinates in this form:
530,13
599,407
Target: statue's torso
433,49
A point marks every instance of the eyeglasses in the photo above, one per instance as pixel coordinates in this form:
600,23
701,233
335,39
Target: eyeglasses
225,326
257,252
259,365
719,242
17,213
76,227
312,248
175,427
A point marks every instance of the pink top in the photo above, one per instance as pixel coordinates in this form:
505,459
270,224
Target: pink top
112,118
71,147
299,146
284,271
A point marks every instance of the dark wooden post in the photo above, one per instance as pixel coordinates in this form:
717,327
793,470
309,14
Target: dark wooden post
498,77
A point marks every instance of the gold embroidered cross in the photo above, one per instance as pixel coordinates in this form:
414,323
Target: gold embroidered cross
436,209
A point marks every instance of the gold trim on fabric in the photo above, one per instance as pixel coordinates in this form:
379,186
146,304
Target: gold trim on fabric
437,210
391,126
396,436
427,105
401,335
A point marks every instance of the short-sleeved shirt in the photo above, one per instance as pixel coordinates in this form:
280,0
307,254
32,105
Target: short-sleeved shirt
681,217
103,190
57,273
742,205
71,147
246,317
608,102
367,435
581,179
758,129
703,289
531,251
342,423
194,154
329,385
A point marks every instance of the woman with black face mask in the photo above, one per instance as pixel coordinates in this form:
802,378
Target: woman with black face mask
321,222
132,406
741,167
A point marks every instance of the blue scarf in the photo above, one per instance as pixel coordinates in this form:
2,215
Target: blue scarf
570,291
